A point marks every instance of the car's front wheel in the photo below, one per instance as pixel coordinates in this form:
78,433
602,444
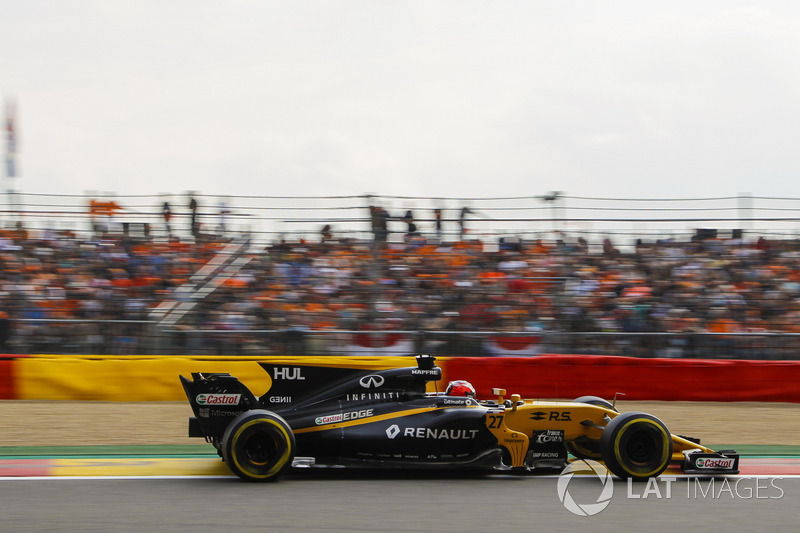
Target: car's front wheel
258,445
636,445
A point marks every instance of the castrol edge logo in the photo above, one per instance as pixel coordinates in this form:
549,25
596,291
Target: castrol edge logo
218,399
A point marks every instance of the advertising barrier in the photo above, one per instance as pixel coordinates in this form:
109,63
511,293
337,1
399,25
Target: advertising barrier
7,382
154,378
151,378
571,376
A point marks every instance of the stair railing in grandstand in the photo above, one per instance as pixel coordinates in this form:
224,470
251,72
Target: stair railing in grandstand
224,265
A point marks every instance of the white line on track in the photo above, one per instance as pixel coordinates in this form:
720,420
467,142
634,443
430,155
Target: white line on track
693,476
81,478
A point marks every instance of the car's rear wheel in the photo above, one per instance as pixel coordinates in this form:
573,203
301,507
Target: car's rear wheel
258,445
636,445
586,448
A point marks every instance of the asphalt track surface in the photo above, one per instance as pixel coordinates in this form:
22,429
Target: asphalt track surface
406,502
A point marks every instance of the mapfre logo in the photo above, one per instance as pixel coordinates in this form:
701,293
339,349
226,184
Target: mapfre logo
218,399
373,381
586,469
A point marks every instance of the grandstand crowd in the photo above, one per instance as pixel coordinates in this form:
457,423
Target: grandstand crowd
705,297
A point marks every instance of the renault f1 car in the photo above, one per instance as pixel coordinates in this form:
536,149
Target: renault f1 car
331,416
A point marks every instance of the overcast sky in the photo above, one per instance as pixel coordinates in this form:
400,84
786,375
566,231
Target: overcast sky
419,98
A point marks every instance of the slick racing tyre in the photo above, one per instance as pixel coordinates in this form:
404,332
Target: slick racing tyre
584,447
636,445
258,445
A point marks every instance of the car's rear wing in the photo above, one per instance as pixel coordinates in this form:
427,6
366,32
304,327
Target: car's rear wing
216,399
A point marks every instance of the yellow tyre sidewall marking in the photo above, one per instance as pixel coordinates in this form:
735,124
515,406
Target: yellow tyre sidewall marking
282,460
664,446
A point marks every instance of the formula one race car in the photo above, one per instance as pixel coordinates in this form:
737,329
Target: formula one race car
325,416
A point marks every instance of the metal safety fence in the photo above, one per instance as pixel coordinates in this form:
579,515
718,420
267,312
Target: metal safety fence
134,337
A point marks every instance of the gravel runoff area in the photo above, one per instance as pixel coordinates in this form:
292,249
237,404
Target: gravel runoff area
75,423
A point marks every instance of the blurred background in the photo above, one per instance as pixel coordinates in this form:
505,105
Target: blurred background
189,273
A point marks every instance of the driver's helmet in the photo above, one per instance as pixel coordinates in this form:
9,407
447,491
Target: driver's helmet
460,388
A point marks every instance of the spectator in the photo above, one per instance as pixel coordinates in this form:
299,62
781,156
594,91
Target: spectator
166,213
437,217
462,221
194,223
411,230
224,211
379,218
326,233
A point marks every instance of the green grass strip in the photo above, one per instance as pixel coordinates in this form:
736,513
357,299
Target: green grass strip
759,449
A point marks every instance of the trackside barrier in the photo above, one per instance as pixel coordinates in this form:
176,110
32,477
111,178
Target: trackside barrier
570,376
153,378
150,378
7,381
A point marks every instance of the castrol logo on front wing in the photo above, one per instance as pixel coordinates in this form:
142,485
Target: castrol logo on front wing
218,399
708,462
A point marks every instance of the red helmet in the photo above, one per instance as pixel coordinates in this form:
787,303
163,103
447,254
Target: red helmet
460,388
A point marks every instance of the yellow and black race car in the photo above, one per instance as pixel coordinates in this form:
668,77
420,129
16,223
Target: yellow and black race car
319,415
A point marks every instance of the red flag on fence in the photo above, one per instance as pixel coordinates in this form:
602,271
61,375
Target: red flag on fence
380,343
512,346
